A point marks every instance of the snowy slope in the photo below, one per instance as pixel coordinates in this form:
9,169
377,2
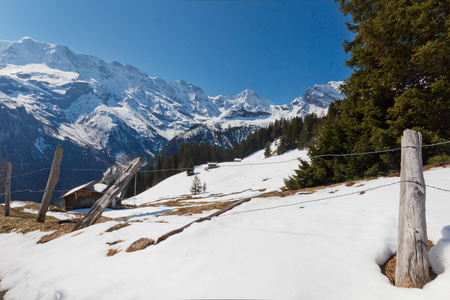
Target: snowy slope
325,244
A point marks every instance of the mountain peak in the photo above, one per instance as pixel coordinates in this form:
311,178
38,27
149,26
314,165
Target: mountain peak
26,39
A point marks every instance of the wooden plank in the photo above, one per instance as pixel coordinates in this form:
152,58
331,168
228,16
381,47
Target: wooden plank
8,190
51,183
99,207
412,252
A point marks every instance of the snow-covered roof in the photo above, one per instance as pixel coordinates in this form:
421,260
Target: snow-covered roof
93,186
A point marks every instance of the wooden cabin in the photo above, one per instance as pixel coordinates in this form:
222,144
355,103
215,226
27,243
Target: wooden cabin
86,195
237,159
213,164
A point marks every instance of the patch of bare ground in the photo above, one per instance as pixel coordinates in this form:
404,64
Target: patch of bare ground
2,294
198,209
286,193
118,226
168,202
112,252
115,242
26,222
442,164
140,244
388,269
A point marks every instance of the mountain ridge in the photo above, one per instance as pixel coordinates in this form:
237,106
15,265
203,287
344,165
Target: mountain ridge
116,111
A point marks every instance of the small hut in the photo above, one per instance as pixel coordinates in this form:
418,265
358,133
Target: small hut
86,195
213,164
237,159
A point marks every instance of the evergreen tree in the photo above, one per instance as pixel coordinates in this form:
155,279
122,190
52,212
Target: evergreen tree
196,187
400,59
267,150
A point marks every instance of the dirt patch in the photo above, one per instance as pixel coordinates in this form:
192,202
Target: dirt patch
388,269
140,244
26,222
115,242
118,226
198,209
112,252
2,294
351,183
443,164
168,202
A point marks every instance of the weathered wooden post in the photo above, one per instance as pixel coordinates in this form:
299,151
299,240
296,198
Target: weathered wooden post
97,209
51,183
412,250
8,190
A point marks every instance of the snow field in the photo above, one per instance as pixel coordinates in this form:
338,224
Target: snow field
304,246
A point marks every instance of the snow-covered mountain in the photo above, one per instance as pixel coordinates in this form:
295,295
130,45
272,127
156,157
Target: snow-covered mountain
114,112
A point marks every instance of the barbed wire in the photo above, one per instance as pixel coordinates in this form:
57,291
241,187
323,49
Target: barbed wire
32,172
437,188
38,191
310,201
431,145
248,164
328,198
46,169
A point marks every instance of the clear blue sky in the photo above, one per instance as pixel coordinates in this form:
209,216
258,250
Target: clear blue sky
276,47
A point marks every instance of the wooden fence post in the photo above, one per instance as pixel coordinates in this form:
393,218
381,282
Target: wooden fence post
51,183
412,250
8,190
97,209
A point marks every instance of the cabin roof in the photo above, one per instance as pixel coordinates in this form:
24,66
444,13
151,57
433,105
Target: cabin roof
93,186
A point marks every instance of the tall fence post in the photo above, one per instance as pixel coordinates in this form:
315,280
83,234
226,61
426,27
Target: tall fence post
8,190
412,252
97,209
51,183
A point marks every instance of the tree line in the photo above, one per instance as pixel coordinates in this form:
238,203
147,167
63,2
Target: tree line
291,133
400,56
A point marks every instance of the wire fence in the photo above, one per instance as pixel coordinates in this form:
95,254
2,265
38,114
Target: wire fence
2,180
327,198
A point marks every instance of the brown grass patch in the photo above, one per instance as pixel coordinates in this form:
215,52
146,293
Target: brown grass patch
115,242
388,269
442,164
112,252
118,226
26,222
3,293
140,244
198,209
362,193
351,183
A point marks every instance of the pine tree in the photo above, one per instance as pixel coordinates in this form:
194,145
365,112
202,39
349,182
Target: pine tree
196,187
400,57
267,150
